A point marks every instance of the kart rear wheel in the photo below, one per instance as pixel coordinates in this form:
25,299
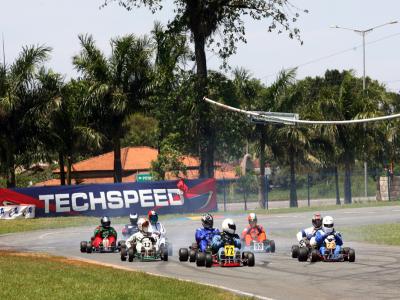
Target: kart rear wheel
345,252
352,255
123,253
245,255
192,255
314,255
89,247
251,259
272,246
201,259
303,254
83,246
131,254
209,260
295,251
183,254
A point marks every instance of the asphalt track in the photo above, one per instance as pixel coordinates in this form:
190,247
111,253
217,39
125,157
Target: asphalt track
374,275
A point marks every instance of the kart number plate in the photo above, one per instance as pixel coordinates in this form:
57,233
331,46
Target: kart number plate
229,250
258,246
147,244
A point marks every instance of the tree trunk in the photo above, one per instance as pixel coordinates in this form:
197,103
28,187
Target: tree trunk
117,160
261,178
293,188
11,182
347,179
62,166
69,169
337,186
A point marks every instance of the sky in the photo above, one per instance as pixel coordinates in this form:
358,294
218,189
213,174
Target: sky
57,23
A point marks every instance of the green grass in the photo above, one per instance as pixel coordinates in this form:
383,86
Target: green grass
33,276
385,234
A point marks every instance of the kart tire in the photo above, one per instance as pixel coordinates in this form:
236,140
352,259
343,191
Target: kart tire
303,254
314,255
251,259
345,253
201,259
123,253
131,254
192,255
89,247
272,246
352,255
183,254
208,260
83,246
295,251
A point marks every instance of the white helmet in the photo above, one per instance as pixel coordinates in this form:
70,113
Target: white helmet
228,226
327,224
143,225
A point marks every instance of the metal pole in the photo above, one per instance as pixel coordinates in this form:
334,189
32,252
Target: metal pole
388,180
267,191
365,161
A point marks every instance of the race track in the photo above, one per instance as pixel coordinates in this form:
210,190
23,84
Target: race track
374,275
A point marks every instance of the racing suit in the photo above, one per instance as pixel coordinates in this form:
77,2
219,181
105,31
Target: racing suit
158,230
308,233
129,229
101,233
256,233
135,240
204,237
320,240
220,240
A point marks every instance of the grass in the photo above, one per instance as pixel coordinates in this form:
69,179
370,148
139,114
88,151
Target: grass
22,225
385,234
39,276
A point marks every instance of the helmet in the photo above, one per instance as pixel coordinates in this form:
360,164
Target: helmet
143,225
228,226
133,218
252,219
105,221
317,220
327,224
207,221
153,216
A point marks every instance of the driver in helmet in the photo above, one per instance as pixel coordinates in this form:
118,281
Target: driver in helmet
328,231
253,231
104,230
144,231
307,235
132,227
156,228
227,237
205,235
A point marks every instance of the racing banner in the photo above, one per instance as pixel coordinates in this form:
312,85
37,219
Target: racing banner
10,212
178,196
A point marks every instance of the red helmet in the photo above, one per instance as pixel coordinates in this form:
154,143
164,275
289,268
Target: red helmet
153,216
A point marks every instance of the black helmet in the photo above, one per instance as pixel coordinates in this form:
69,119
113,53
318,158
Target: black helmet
133,218
207,220
105,222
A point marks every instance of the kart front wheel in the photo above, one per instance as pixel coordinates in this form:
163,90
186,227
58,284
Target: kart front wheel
183,254
83,246
272,246
303,254
314,255
250,259
209,260
131,254
201,259
192,255
89,247
164,254
295,251
352,255
123,253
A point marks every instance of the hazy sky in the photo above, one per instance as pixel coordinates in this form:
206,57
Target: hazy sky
57,23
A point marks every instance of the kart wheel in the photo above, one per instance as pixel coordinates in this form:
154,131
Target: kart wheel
245,255
83,246
251,259
295,251
314,255
345,253
164,255
131,254
89,247
123,253
192,255
209,260
303,254
183,254
272,246
201,259
352,255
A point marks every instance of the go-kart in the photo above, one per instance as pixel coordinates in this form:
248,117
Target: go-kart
229,257
146,249
257,246
104,247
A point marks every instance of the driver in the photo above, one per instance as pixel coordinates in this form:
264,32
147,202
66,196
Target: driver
328,231
143,226
253,231
205,235
227,237
132,227
307,235
104,231
156,228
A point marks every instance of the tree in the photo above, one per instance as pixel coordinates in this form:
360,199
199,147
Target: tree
118,85
204,20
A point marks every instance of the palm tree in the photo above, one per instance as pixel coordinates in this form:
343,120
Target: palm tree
118,85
